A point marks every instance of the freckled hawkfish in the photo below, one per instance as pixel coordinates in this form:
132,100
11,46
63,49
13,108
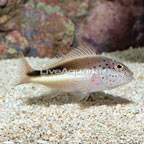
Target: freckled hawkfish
80,71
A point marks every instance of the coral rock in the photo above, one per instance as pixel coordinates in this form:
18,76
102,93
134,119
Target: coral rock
38,34
108,27
73,8
45,32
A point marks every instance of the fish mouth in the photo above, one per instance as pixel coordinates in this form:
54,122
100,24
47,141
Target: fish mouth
131,74
129,79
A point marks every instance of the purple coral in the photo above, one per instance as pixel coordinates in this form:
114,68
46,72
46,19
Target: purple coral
3,3
108,26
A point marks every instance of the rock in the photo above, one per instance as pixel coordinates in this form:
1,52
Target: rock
72,9
12,44
45,27
37,34
3,3
47,32
108,27
9,11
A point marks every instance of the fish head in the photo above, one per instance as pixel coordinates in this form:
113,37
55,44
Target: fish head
114,73
117,75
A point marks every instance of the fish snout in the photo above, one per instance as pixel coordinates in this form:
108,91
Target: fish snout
129,75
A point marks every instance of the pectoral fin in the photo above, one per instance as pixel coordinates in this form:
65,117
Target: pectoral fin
82,85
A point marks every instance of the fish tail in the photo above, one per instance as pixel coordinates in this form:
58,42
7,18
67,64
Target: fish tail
23,69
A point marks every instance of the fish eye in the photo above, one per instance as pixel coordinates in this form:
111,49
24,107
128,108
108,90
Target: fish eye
119,67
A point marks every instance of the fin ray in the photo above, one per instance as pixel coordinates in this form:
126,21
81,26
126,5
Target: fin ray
82,85
23,69
50,92
81,51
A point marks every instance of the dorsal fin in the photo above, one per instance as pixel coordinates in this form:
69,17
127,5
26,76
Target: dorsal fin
79,52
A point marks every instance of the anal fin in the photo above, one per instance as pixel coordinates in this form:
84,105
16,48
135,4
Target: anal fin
50,92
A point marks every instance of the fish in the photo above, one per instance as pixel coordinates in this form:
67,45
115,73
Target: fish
81,72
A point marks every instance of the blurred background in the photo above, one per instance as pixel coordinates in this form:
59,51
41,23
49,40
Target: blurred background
43,28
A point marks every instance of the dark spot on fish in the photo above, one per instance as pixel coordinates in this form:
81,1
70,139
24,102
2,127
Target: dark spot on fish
103,67
107,64
109,67
99,65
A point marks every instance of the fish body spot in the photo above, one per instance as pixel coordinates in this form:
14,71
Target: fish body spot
96,80
92,80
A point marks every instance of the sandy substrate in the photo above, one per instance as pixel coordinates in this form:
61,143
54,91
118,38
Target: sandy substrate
110,117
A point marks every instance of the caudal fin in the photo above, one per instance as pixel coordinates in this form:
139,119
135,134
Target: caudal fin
23,69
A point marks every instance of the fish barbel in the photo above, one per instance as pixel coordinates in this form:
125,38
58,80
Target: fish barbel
80,71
